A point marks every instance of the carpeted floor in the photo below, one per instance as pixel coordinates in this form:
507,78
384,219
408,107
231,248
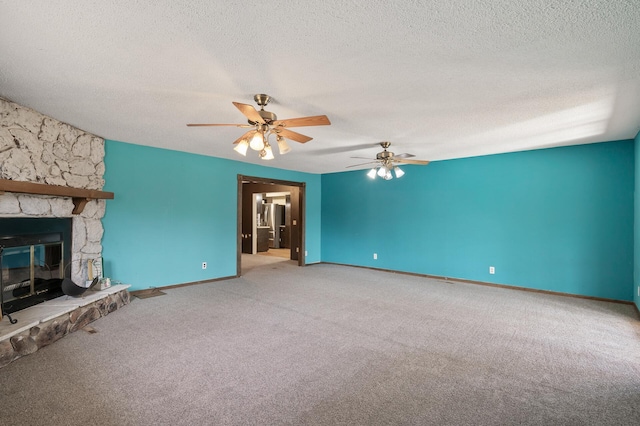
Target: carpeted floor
333,345
251,261
277,252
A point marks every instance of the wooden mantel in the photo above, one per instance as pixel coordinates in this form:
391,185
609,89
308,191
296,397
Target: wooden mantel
79,196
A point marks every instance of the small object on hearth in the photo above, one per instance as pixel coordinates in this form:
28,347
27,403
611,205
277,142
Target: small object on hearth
94,268
99,284
72,289
104,283
93,284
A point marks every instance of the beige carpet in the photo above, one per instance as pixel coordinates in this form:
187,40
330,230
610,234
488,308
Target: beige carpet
251,261
277,252
333,345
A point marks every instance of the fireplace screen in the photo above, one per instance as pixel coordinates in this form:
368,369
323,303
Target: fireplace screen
32,270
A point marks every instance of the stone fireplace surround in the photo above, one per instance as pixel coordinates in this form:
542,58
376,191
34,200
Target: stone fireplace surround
40,149
36,148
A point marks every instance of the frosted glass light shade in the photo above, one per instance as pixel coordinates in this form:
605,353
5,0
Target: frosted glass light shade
283,146
372,173
398,171
241,147
257,142
268,153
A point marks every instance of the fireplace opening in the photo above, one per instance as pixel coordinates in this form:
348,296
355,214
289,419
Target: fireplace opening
34,259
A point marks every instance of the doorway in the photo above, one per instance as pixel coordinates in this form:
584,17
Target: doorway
270,218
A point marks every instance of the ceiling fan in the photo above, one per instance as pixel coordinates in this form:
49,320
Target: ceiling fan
265,124
387,161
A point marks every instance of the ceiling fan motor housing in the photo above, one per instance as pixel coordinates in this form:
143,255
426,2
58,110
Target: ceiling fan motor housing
384,155
261,99
267,116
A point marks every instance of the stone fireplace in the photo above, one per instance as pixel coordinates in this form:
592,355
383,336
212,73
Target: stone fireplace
39,149
38,152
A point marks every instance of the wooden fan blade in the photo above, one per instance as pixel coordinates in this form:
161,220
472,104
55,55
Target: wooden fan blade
208,125
294,136
246,136
316,120
403,160
364,158
403,155
362,164
250,112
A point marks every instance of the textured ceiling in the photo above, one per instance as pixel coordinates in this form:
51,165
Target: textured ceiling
439,79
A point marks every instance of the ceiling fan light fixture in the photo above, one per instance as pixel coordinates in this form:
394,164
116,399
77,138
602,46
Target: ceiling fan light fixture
385,163
264,124
267,153
257,142
241,147
283,146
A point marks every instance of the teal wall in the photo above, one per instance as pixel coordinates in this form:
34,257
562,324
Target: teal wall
173,210
556,219
636,270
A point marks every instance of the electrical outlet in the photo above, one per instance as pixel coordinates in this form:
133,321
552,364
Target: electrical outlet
492,270
204,265
375,256
306,253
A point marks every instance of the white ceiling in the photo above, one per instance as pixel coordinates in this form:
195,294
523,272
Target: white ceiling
439,79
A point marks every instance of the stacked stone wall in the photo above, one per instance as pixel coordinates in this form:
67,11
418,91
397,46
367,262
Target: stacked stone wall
37,148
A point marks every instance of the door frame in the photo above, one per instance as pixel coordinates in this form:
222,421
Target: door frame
301,187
